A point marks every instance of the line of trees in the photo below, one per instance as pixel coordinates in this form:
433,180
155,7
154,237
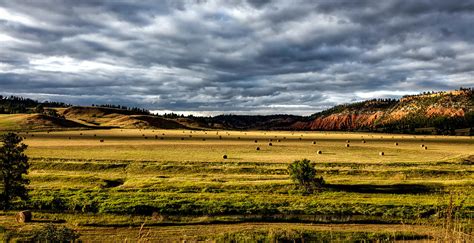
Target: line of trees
135,110
15,105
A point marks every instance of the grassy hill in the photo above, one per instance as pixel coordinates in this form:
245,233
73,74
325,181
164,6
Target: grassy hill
439,112
13,122
112,117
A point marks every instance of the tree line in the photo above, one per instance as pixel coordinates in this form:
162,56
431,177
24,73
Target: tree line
15,105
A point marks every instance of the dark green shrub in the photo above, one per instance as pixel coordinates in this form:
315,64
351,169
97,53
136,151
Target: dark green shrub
52,233
303,173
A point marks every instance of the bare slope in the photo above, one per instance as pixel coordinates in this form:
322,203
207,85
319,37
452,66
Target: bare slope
453,109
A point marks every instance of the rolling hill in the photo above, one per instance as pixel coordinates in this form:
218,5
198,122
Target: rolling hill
443,111
431,112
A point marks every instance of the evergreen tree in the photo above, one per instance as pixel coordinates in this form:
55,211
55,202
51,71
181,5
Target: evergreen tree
13,165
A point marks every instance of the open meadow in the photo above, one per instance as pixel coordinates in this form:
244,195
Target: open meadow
136,184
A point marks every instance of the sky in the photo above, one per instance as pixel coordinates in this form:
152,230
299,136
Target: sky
233,57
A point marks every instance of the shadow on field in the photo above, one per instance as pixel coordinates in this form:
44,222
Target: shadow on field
393,189
50,221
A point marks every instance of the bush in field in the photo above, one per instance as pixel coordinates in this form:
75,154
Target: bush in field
13,166
303,173
51,233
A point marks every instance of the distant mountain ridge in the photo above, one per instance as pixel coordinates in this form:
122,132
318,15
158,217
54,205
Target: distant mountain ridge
430,112
443,111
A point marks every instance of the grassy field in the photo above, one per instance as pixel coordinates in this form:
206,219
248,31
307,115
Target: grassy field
110,182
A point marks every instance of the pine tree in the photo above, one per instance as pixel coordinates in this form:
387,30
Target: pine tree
13,165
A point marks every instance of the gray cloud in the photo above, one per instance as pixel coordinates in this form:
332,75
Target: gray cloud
231,56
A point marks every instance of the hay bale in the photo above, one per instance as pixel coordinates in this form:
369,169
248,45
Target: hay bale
182,138
270,144
348,141
69,138
102,140
381,153
319,152
422,145
363,141
256,141
314,142
258,148
347,145
161,138
425,148
396,144
24,216
279,140
225,156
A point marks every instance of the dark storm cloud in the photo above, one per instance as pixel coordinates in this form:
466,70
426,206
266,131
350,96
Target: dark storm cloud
233,56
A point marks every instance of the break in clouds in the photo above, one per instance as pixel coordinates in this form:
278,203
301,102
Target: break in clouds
212,57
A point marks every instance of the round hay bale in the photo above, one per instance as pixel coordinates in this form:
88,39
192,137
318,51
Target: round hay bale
238,138
102,140
422,145
225,156
24,216
396,144
279,140
143,135
69,138
203,139
270,144
363,141
425,148
258,148
347,145
348,141
182,138
161,138
269,140
190,136
146,137
314,142
300,138
381,153
319,152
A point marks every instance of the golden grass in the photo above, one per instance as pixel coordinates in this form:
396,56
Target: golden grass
131,144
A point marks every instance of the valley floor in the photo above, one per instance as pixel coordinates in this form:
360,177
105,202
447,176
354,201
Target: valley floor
107,183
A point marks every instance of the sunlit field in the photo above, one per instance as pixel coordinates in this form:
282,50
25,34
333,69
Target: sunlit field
179,186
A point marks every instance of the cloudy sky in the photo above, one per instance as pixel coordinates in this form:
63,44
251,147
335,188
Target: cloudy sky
242,57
